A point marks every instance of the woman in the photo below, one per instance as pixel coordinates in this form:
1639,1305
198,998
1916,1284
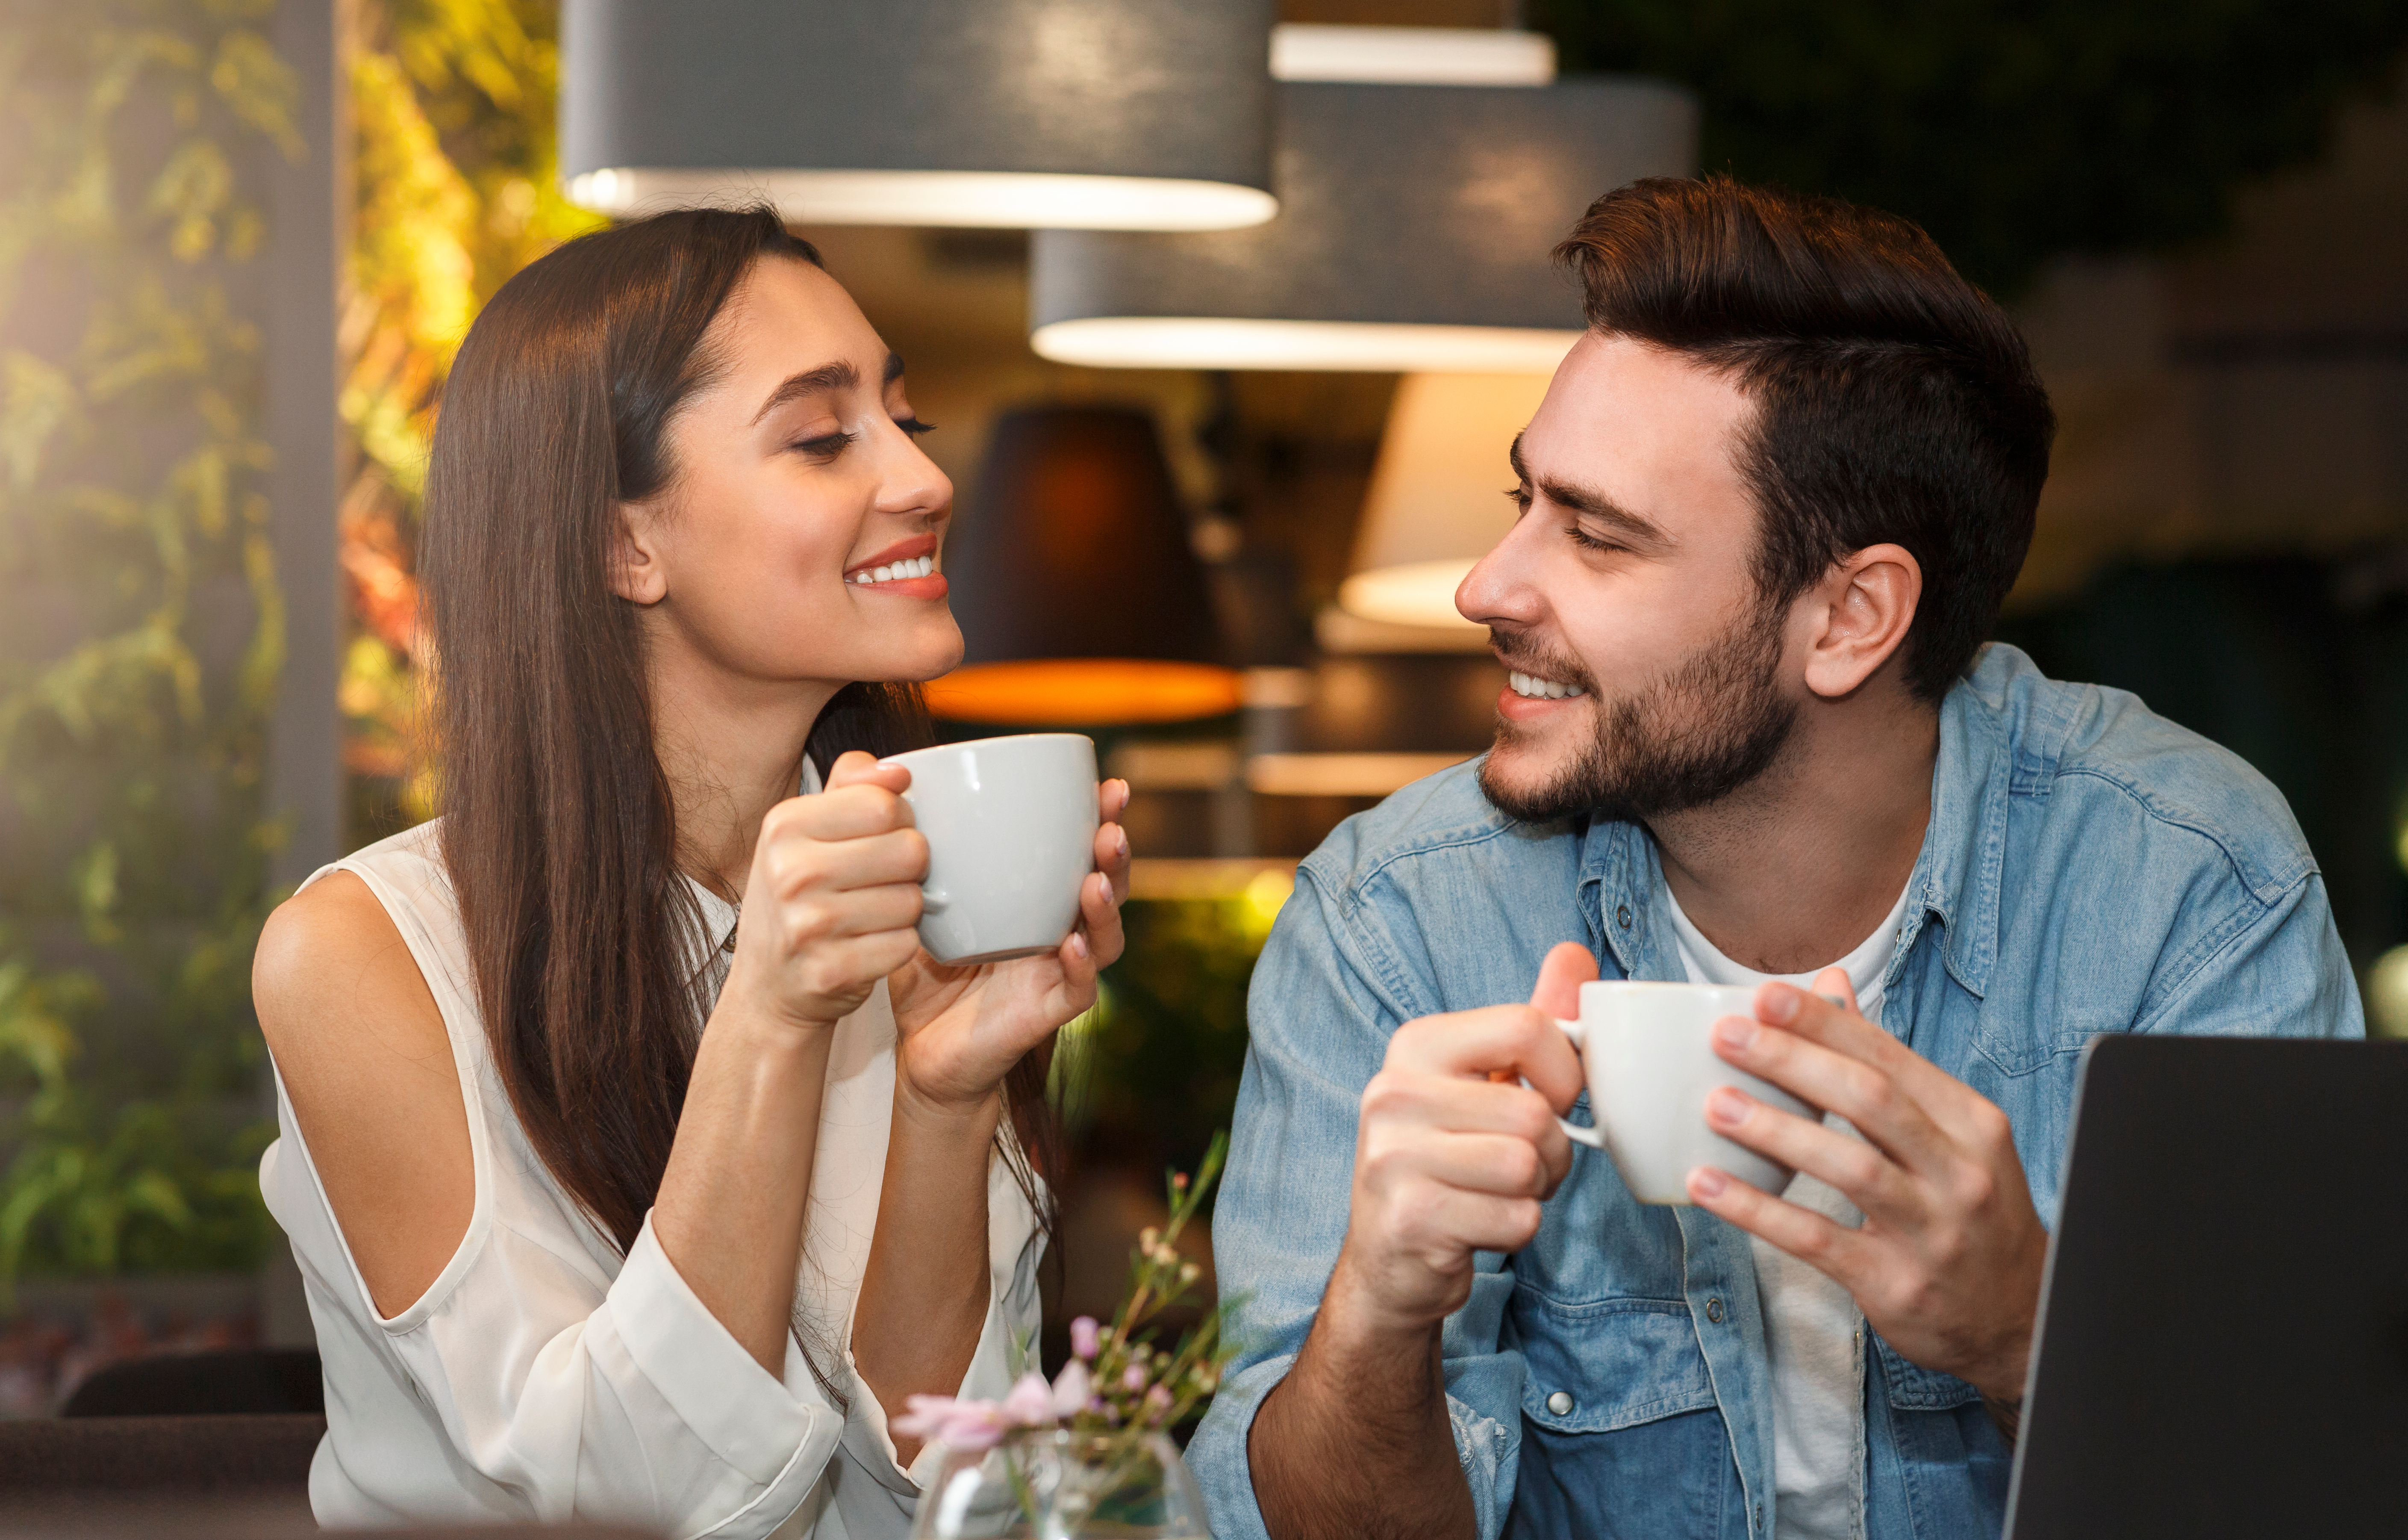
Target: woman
637,1161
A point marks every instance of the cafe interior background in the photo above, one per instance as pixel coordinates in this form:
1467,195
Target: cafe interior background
239,241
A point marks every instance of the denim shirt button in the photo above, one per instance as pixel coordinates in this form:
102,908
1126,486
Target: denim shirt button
1714,1311
1560,1403
1622,915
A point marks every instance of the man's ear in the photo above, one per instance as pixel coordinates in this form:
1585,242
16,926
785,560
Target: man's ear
1869,602
637,573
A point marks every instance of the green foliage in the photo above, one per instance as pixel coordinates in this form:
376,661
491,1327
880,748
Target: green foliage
140,651
1162,1056
459,188
2013,131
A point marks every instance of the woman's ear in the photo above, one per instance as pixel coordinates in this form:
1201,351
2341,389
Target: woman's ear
637,573
1871,598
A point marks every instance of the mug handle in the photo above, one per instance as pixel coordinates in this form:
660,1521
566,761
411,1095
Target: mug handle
1573,1131
933,901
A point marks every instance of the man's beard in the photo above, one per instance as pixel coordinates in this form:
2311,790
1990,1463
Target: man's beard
1715,723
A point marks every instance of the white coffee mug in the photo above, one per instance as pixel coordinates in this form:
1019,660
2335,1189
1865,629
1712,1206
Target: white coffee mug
1010,825
1648,1050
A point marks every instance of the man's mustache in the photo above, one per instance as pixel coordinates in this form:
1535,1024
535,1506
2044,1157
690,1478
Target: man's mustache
1523,652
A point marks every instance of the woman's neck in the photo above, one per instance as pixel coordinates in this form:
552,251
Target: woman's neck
732,749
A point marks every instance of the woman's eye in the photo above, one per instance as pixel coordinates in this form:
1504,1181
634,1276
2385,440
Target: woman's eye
826,446
913,426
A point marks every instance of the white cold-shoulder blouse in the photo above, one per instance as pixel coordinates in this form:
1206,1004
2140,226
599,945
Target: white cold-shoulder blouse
545,1377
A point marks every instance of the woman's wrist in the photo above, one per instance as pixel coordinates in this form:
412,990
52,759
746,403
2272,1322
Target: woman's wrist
972,1120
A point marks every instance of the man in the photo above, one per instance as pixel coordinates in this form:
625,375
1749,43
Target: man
1771,504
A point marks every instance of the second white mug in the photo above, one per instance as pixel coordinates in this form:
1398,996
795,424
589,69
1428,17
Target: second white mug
1648,1051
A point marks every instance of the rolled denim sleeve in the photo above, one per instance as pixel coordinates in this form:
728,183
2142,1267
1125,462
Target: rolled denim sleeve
1324,1003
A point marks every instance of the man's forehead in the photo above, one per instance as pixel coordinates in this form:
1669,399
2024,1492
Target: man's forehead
1639,427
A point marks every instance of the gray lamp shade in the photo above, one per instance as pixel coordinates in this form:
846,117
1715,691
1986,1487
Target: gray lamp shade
1415,227
1079,597
1115,114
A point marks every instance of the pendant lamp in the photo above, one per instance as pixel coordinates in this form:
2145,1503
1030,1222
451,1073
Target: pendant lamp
1414,229
1104,114
1438,501
1080,599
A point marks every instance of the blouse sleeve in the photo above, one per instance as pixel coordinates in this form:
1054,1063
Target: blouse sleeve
1007,1344
638,1408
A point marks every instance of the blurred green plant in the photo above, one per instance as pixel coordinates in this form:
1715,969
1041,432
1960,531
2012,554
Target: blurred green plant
458,189
143,633
1153,1074
2013,131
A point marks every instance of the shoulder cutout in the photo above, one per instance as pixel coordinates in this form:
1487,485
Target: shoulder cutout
367,1065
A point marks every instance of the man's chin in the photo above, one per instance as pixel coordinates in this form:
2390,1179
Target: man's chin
1523,776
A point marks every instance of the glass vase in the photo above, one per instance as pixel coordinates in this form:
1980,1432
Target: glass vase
1051,1484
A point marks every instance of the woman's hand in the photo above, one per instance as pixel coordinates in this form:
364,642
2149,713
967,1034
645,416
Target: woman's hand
962,1029
834,895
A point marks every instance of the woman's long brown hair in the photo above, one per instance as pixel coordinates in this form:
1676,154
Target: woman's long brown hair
559,831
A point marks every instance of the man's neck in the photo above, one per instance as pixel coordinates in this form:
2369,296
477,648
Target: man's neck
1794,871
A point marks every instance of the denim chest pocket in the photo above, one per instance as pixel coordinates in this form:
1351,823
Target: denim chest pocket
1607,1364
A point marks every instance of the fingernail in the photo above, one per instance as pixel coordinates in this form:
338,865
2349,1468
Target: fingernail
1706,1182
1119,838
1111,896
1779,1003
1725,1107
1078,942
1733,1032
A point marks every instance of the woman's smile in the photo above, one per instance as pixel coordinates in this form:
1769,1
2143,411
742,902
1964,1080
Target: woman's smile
906,570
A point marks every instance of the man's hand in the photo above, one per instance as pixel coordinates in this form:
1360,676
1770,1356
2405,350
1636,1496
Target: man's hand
1947,1264
1454,1154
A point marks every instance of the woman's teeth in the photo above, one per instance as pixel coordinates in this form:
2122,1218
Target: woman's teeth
917,568
1541,689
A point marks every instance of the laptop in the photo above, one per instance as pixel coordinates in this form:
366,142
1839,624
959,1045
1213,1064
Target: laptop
2223,1341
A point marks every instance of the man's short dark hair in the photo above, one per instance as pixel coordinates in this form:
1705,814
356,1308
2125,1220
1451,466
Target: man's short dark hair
1895,403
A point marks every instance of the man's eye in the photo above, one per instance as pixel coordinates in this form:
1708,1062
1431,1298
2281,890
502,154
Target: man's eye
1588,541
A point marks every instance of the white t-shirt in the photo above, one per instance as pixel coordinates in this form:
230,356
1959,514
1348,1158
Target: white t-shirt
1812,1327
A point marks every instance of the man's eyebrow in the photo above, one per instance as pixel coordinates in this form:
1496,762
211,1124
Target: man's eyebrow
827,377
1589,503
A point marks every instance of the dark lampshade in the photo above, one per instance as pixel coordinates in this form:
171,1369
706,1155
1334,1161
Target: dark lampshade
1078,595
1110,114
1413,233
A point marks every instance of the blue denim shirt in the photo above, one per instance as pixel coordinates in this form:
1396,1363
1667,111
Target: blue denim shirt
2088,867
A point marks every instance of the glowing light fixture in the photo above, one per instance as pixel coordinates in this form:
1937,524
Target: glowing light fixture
1438,501
1426,55
1078,595
1416,216
1074,114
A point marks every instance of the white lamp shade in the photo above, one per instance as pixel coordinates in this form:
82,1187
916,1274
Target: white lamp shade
1066,114
1414,232
1438,500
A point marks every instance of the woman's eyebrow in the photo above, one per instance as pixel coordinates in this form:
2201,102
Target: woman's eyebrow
827,377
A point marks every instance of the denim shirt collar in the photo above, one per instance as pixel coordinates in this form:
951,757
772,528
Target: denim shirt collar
1956,878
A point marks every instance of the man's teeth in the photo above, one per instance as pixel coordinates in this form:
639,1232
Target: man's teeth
917,568
1540,689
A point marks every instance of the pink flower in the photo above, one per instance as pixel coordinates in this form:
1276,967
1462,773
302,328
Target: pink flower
1073,1389
956,1424
1029,1403
1133,1377
1085,1341
1157,1401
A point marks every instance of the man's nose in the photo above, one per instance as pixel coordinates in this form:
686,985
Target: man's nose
1495,590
